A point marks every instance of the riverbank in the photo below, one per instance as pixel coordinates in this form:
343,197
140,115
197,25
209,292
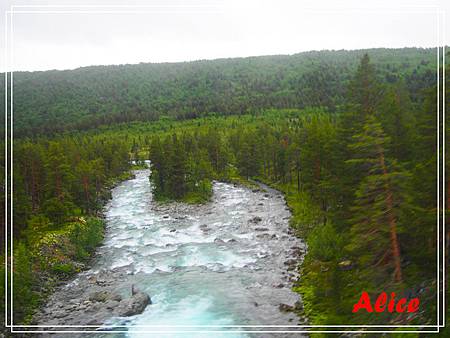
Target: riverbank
322,271
48,257
317,270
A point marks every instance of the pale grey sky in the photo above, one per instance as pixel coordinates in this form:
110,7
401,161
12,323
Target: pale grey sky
167,30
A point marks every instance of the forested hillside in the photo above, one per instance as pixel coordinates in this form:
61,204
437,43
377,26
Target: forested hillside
102,95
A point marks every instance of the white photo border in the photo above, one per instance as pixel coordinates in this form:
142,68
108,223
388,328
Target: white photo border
128,9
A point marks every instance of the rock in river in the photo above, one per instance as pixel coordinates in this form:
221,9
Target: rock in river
134,305
256,219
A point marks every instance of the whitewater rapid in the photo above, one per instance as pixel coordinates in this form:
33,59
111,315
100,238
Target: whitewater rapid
221,264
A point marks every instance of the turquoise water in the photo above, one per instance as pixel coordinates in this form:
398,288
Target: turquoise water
202,265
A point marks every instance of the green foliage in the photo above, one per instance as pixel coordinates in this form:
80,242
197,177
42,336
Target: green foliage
324,243
57,254
378,202
2,287
91,97
37,224
58,211
86,235
65,269
202,193
184,170
59,185
306,214
25,299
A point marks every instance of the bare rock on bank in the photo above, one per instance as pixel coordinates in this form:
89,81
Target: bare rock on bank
103,296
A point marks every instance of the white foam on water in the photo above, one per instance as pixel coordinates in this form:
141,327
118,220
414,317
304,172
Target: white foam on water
150,250
122,261
164,236
248,235
120,243
149,268
195,257
233,201
195,310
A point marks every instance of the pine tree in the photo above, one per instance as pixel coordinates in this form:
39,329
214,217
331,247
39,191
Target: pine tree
32,166
177,174
60,174
396,115
24,296
98,172
85,173
377,204
363,96
248,157
158,167
365,91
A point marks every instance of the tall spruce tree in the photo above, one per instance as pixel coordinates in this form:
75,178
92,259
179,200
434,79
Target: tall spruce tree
365,91
363,96
376,209
158,166
177,173
397,117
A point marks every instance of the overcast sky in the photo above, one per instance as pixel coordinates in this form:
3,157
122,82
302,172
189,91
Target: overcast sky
191,30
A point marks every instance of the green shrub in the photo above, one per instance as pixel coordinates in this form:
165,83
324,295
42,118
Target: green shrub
2,286
58,211
86,235
66,269
24,298
324,243
306,214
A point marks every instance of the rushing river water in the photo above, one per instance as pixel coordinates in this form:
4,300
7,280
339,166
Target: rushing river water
221,264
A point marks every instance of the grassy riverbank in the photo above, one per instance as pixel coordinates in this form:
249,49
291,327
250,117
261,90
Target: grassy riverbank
49,257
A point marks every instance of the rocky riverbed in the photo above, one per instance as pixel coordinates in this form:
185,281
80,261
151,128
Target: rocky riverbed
228,264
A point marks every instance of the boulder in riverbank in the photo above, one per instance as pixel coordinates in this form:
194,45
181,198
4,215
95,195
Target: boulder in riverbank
104,296
134,305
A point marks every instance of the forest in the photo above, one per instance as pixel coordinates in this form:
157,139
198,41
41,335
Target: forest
349,137
90,97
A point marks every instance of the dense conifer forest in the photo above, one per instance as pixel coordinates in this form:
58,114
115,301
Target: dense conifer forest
348,136
103,95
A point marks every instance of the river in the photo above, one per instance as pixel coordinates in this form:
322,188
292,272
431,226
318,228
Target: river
227,264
